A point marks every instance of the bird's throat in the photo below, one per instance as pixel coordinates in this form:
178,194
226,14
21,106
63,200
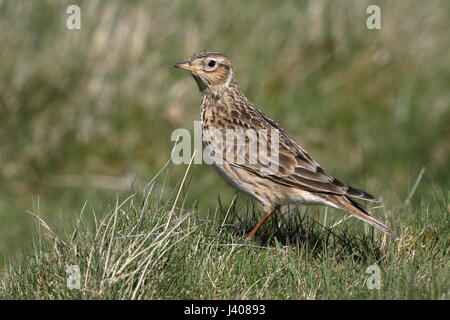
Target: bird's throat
201,85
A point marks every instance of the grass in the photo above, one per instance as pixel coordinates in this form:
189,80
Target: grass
152,245
88,113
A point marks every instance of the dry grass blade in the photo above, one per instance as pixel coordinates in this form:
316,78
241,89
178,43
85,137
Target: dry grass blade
413,190
45,225
179,190
226,215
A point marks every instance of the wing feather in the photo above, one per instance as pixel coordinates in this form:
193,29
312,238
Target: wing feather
295,166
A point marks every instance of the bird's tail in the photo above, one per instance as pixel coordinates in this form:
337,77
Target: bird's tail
358,211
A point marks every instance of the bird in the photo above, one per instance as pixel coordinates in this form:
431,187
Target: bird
295,179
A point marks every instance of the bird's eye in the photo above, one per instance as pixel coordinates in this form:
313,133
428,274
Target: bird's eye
211,63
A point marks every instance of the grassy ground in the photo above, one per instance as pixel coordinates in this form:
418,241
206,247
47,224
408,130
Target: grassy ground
87,112
146,247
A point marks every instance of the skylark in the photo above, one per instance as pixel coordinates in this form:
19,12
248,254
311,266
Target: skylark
297,178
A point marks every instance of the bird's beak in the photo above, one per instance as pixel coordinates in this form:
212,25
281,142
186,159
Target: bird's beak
185,65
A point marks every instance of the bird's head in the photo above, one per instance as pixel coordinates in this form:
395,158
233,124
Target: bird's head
211,70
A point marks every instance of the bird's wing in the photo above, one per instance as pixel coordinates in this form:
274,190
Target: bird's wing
295,167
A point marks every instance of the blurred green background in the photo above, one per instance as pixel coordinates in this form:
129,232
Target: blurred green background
84,112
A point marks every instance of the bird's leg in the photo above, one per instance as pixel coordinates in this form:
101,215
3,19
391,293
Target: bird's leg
267,212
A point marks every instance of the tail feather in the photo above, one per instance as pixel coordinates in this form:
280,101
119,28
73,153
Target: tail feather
360,194
358,211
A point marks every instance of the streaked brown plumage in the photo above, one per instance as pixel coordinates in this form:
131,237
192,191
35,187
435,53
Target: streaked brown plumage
299,179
